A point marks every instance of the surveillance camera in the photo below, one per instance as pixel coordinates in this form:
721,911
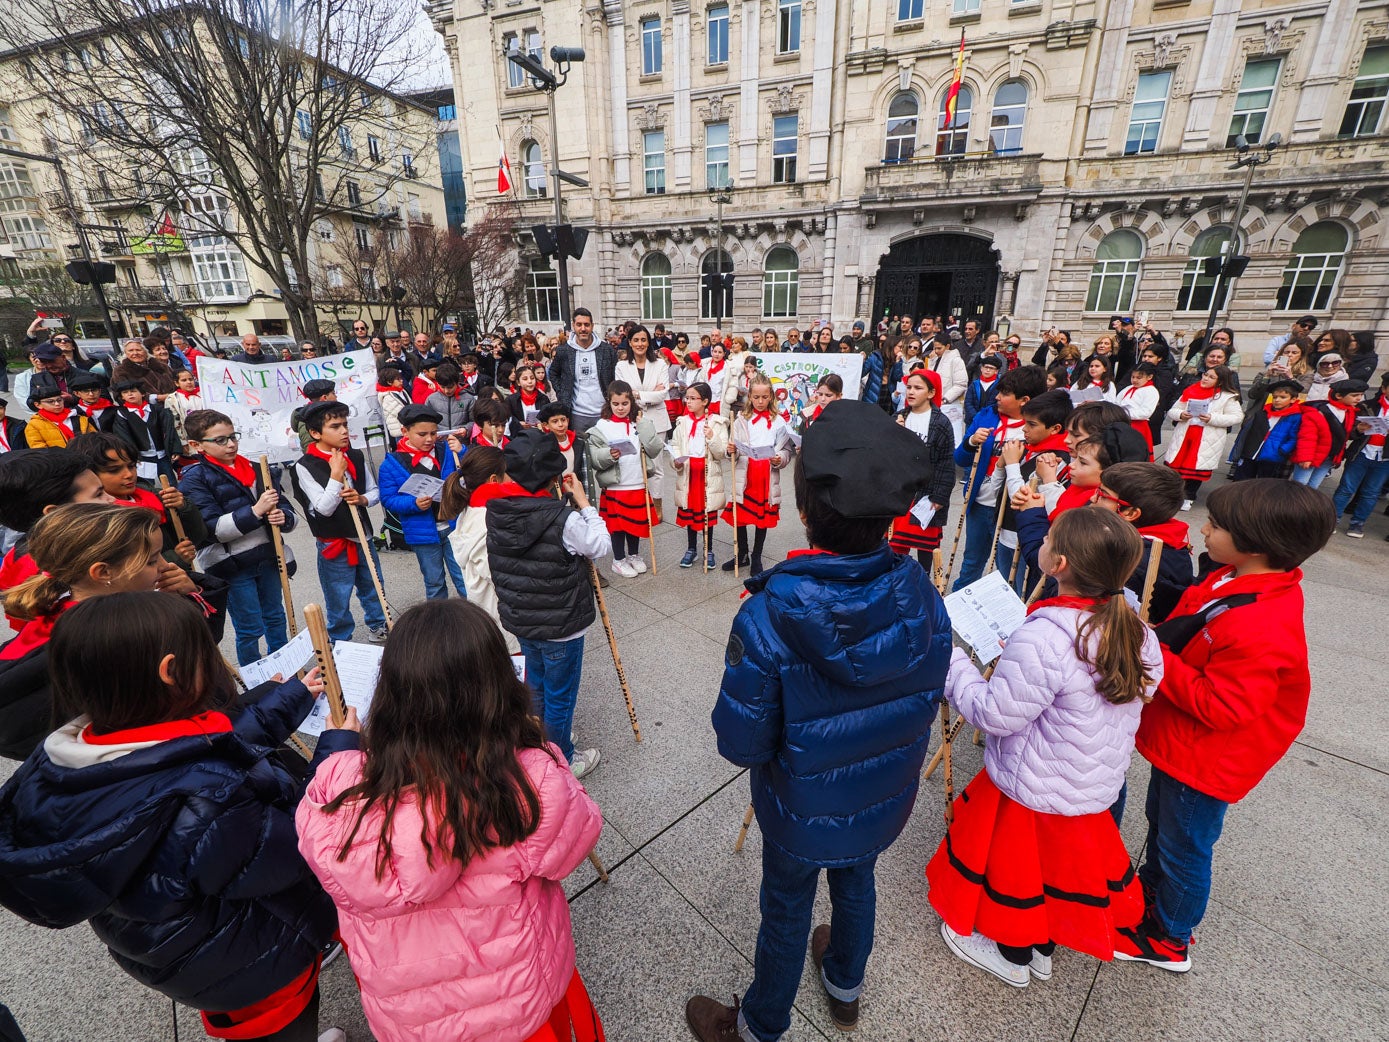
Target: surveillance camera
1275,141
1241,145
560,55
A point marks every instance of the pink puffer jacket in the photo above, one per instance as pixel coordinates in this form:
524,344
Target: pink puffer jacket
1055,745
445,955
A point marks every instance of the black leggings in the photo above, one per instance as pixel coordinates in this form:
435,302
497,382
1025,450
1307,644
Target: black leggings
1023,955
1191,489
624,545
758,541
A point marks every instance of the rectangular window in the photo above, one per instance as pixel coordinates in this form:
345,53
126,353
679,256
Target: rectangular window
1365,109
374,148
1253,101
1149,104
715,155
910,10
361,235
542,294
354,194
962,7
653,147
650,46
305,122
514,76
788,26
718,35
407,164
345,141
412,207
533,45
221,274
447,112
784,131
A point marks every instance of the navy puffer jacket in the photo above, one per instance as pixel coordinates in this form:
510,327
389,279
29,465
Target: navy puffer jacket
183,855
834,669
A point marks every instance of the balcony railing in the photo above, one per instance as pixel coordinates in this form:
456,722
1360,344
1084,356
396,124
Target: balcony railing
954,177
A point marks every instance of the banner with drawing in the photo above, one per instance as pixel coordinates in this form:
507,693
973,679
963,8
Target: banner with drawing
260,399
794,377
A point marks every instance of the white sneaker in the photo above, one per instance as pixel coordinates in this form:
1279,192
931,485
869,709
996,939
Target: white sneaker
624,569
1040,966
586,762
978,950
333,1035
1186,504
638,564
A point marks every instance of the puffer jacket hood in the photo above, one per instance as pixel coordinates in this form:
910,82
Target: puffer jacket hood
835,666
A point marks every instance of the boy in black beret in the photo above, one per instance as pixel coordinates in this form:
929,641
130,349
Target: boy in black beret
92,401
539,549
834,669
144,424
313,391
419,452
1269,434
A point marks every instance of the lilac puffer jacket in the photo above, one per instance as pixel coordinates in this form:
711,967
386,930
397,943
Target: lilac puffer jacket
1055,745
450,955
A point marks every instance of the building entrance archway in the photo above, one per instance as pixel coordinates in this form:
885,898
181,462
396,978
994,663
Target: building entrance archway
939,274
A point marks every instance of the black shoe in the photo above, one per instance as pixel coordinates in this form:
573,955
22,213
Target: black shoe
727,566
844,1014
756,564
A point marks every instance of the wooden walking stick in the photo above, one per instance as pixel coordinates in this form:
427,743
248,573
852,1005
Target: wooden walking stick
278,539
998,529
612,645
1017,550
733,493
598,866
743,832
323,651
371,564
938,576
960,525
179,532
1150,579
650,517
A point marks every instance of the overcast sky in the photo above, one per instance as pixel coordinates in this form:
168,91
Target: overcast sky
433,71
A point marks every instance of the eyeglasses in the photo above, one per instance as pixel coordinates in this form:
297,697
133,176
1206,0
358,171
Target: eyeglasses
61,340
1102,493
223,439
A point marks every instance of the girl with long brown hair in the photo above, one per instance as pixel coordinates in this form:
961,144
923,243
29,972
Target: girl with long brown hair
1033,857
445,841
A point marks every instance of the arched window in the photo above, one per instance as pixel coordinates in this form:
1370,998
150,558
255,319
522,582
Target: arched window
1309,280
950,141
1197,286
715,304
542,292
1114,277
534,170
781,281
655,287
901,127
1005,124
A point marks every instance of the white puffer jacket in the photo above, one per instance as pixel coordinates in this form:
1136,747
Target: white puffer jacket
1055,745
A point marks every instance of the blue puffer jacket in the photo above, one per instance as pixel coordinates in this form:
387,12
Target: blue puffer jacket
419,527
183,856
834,669
239,540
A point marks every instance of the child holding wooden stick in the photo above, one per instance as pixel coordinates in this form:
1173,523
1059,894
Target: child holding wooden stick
481,476
445,843
624,502
765,442
923,417
1033,858
698,445
161,814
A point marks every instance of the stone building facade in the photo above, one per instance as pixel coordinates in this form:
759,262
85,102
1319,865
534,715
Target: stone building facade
1088,171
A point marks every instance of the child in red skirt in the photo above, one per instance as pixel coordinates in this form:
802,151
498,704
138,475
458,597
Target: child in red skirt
923,417
1197,446
698,444
757,482
1033,858
624,502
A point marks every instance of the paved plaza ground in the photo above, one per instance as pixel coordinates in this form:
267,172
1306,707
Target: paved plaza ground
1293,946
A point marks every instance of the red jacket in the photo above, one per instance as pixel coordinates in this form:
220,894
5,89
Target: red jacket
1315,445
1230,705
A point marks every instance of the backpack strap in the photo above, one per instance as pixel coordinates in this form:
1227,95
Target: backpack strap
1175,634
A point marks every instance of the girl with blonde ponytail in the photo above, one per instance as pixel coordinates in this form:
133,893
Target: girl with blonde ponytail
1033,857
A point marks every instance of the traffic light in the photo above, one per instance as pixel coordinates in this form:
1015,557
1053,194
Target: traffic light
714,282
1230,267
562,240
84,274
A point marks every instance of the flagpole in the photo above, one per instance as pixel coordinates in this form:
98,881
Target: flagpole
955,84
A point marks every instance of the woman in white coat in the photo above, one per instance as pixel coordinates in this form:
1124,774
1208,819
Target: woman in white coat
954,381
648,373
1204,414
479,477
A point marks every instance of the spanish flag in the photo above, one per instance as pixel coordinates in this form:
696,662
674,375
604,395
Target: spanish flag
954,91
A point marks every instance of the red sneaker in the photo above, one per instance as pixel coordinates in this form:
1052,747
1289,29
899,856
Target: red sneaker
1143,944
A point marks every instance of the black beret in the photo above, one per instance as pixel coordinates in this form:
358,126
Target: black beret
1349,387
1123,444
872,466
318,388
312,414
84,381
533,459
43,385
1276,385
127,385
412,414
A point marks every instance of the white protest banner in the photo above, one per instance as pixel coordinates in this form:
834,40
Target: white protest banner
795,375
260,399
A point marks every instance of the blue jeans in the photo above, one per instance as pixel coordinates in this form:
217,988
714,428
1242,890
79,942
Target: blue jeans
979,537
1363,481
553,669
434,558
788,902
257,609
1183,825
339,579
1003,561
1312,476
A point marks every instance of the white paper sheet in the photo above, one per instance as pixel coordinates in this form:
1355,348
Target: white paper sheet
1086,394
923,512
1197,406
420,486
358,666
1377,424
518,663
289,660
754,452
985,613
624,446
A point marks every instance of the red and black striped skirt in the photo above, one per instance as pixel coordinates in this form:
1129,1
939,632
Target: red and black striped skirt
907,535
1184,462
1021,877
629,510
694,515
756,508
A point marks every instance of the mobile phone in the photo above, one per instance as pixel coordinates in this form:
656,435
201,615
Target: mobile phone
52,323
1143,318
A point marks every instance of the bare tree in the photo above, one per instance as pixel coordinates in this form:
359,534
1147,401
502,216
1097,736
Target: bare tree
348,278
498,276
49,288
246,118
432,268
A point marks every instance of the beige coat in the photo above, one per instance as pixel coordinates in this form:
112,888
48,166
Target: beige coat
740,432
715,449
651,400
733,386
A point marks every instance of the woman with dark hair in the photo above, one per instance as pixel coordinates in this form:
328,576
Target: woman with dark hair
824,341
445,842
1361,361
1222,337
1216,357
1331,341
877,377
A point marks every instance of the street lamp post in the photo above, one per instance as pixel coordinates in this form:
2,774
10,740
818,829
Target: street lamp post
1232,265
720,197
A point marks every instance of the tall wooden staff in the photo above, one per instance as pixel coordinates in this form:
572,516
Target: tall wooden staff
960,524
733,498
179,532
743,832
278,539
323,651
371,564
646,496
707,470
1150,579
612,645
998,530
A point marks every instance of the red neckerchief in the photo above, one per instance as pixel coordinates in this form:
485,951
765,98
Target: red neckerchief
1172,533
100,405
4,439
1378,439
1053,443
1131,389
484,494
625,423
35,634
1196,393
60,420
566,442
695,421
765,417
387,390
1273,413
146,499
1083,603
479,438
142,410
809,551
529,397
1071,498
241,469
1000,436
716,367
455,394
186,394
417,456
505,489
203,724
468,380
985,384
313,450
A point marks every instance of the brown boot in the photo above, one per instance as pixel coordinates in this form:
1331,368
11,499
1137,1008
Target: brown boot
711,1020
844,1014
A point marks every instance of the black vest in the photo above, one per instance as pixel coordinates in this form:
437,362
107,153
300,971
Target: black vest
543,590
338,524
